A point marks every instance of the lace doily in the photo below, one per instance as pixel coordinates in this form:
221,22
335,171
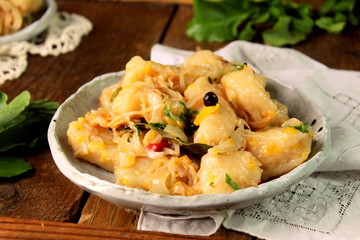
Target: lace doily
63,35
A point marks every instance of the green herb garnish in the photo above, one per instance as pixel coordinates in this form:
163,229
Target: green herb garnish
183,116
237,67
157,125
115,93
169,114
188,112
231,182
23,127
303,127
137,127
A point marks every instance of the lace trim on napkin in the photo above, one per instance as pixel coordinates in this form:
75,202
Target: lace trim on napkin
62,36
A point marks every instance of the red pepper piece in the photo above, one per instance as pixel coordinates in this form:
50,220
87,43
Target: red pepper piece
157,147
259,181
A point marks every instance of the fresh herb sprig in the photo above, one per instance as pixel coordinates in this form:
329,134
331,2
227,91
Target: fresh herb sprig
276,22
23,127
303,127
231,182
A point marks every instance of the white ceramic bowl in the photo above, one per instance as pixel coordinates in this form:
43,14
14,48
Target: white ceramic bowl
101,182
34,28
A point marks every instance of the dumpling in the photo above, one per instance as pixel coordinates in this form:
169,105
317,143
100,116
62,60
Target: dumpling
249,97
241,166
279,149
203,63
160,175
92,143
217,126
156,74
195,92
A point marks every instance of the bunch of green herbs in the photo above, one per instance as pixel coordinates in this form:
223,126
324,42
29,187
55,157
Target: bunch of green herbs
23,128
276,22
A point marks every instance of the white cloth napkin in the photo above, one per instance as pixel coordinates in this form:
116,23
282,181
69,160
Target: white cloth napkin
323,206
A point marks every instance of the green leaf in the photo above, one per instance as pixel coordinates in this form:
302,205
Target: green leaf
340,17
215,31
11,166
261,18
326,7
353,20
276,12
231,182
344,6
198,149
217,21
248,33
14,108
305,11
328,24
32,123
3,100
303,127
280,22
304,25
281,34
23,127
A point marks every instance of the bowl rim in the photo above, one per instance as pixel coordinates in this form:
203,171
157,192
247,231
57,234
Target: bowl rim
141,199
34,28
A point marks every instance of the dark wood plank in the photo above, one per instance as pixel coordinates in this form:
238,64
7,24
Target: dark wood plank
98,212
43,193
12,228
119,34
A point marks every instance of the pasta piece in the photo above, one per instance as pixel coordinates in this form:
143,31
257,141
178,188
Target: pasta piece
217,126
28,6
279,149
108,95
11,19
13,12
161,175
195,92
121,105
92,143
241,166
203,63
249,97
138,176
134,71
137,69
282,116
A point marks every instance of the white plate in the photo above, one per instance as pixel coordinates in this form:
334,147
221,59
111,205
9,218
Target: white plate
101,182
34,28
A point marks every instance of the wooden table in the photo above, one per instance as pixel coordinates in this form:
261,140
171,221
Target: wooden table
43,204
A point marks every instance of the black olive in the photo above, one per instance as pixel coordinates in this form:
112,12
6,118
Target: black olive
210,99
190,128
